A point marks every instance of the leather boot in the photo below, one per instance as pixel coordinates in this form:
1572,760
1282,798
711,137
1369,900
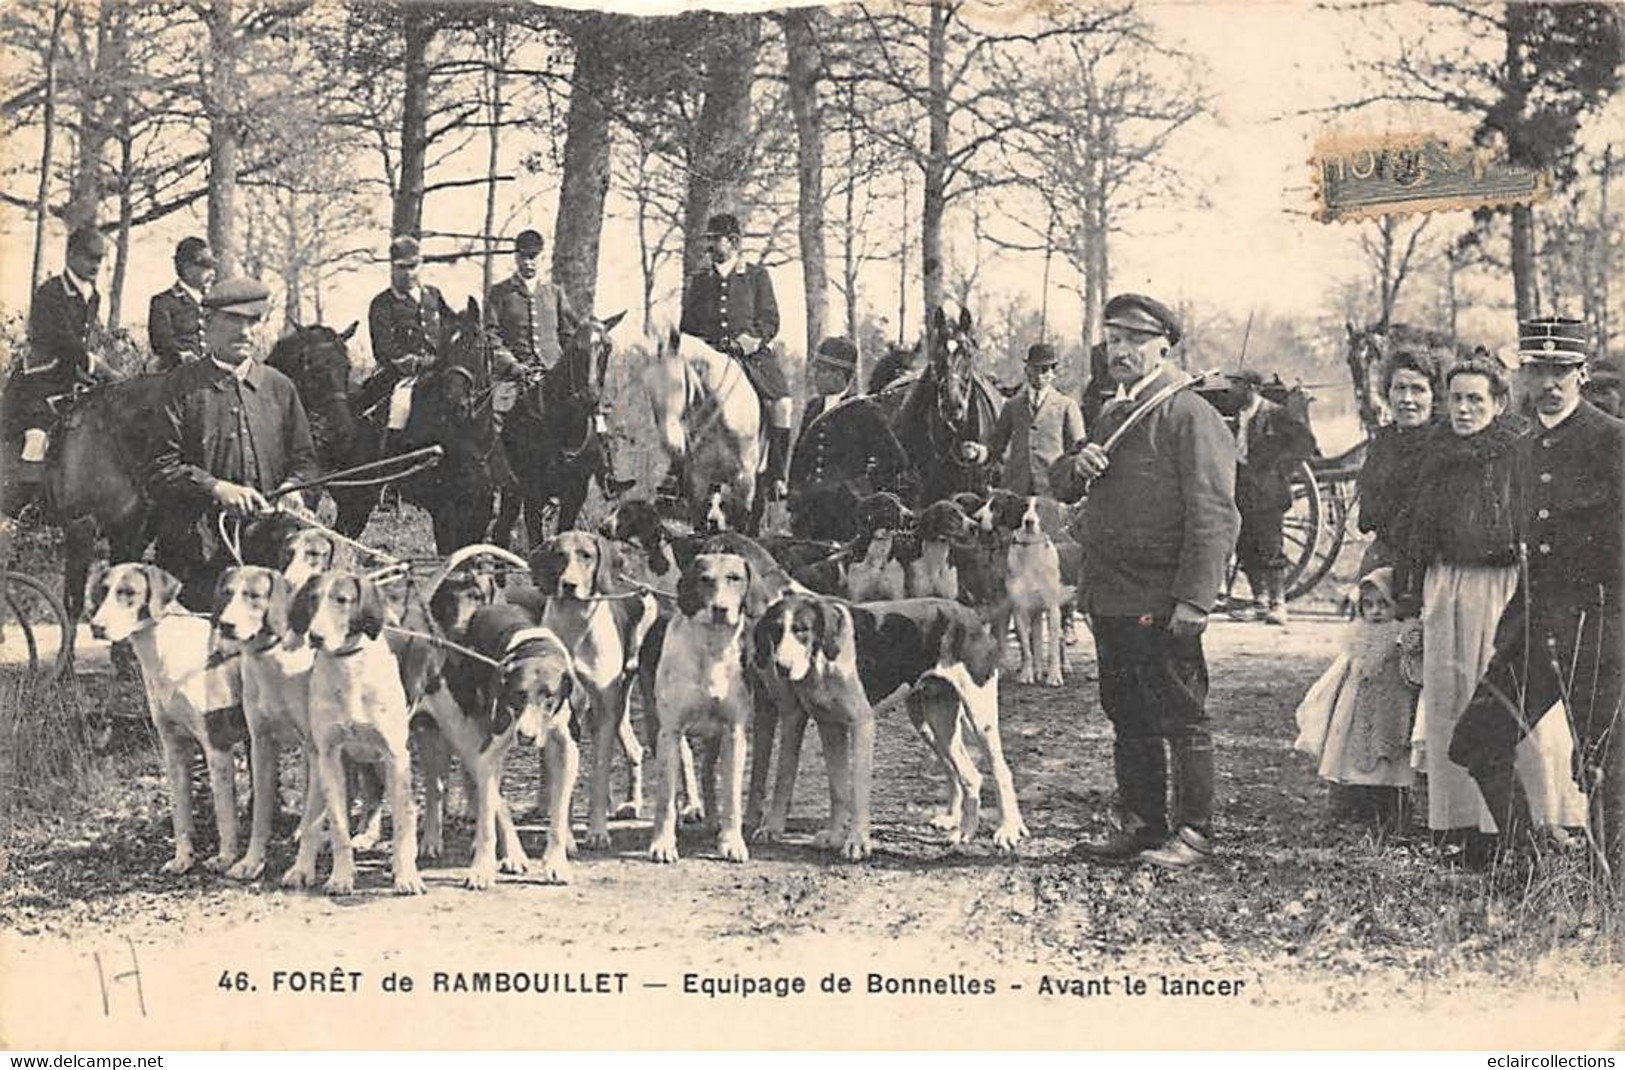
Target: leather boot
778,454
1275,600
609,471
1192,768
675,485
1142,776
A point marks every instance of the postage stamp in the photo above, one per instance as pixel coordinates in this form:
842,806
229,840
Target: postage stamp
1393,174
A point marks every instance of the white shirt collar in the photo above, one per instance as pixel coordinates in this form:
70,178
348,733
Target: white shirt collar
409,295
725,269
1133,392
239,370
196,296
83,287
1552,421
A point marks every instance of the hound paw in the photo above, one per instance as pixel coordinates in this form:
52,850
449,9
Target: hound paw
218,863
410,883
1054,679
340,883
480,877
298,877
555,868
1006,837
598,840
248,868
948,820
731,845
518,865
663,849
692,814
367,839
1025,675
431,848
857,847
768,832
177,865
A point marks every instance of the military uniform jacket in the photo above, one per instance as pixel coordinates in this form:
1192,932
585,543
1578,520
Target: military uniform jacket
1570,479
718,309
528,324
850,443
174,327
214,426
59,323
1161,521
402,326
1034,438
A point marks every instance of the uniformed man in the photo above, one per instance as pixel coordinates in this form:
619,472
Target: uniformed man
1560,637
175,315
730,306
58,357
530,323
404,322
1037,426
1270,443
1159,527
232,432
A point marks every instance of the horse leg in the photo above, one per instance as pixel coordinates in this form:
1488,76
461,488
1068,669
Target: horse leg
513,504
574,496
355,506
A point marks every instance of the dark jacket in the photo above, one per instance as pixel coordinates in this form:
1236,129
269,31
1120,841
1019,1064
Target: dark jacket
1034,440
851,444
719,309
1161,521
1462,508
1569,486
529,326
402,328
213,427
1387,478
1276,444
59,324
174,327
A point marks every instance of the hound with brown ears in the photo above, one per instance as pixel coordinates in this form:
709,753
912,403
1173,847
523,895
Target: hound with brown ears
523,697
877,575
694,680
189,696
603,625
943,526
840,661
308,552
358,706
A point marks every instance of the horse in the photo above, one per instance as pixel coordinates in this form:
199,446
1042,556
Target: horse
451,407
707,411
551,437
951,403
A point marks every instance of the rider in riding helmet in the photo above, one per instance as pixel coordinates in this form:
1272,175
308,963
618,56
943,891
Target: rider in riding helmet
405,325
730,306
530,322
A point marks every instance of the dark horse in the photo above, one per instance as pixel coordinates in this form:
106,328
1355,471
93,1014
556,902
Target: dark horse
451,408
550,437
950,404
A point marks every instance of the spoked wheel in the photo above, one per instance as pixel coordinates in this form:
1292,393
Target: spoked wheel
35,632
1303,531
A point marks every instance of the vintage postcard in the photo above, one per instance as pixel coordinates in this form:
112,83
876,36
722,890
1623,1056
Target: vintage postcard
875,525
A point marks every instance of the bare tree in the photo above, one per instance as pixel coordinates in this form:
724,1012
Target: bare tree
1390,245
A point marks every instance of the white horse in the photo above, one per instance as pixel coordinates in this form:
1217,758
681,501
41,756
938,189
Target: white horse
709,415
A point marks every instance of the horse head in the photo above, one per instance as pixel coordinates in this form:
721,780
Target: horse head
586,359
953,364
315,357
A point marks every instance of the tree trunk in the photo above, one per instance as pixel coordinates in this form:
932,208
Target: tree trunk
1525,287
902,268
85,190
803,87
936,160
222,108
120,92
496,59
42,202
587,144
408,214
720,153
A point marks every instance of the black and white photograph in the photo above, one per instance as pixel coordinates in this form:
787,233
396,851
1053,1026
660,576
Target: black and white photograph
912,524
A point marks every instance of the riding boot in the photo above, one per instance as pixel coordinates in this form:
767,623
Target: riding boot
609,473
778,454
675,485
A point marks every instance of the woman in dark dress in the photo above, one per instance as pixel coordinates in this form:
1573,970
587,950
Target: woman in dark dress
1411,385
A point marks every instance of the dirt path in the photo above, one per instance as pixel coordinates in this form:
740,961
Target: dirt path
1303,932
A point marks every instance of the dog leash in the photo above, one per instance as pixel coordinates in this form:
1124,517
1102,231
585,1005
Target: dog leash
420,459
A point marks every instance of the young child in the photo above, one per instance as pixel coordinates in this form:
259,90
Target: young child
1357,717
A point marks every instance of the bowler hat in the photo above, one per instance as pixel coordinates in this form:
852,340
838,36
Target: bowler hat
193,251
1553,340
837,352
240,297
1042,355
1137,312
403,250
87,241
722,225
529,241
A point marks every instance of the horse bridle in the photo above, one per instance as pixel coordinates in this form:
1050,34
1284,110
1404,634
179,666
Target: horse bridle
942,372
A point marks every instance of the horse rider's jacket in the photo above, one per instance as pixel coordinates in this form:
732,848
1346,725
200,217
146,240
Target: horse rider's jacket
57,358
529,324
405,330
175,326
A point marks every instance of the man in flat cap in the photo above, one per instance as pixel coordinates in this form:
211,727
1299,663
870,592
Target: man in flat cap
1560,637
530,322
1036,426
232,432
175,315
57,359
845,444
1271,441
1159,526
405,325
730,306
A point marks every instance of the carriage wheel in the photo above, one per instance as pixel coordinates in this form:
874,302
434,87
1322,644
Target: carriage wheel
1302,533
35,631
1333,533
